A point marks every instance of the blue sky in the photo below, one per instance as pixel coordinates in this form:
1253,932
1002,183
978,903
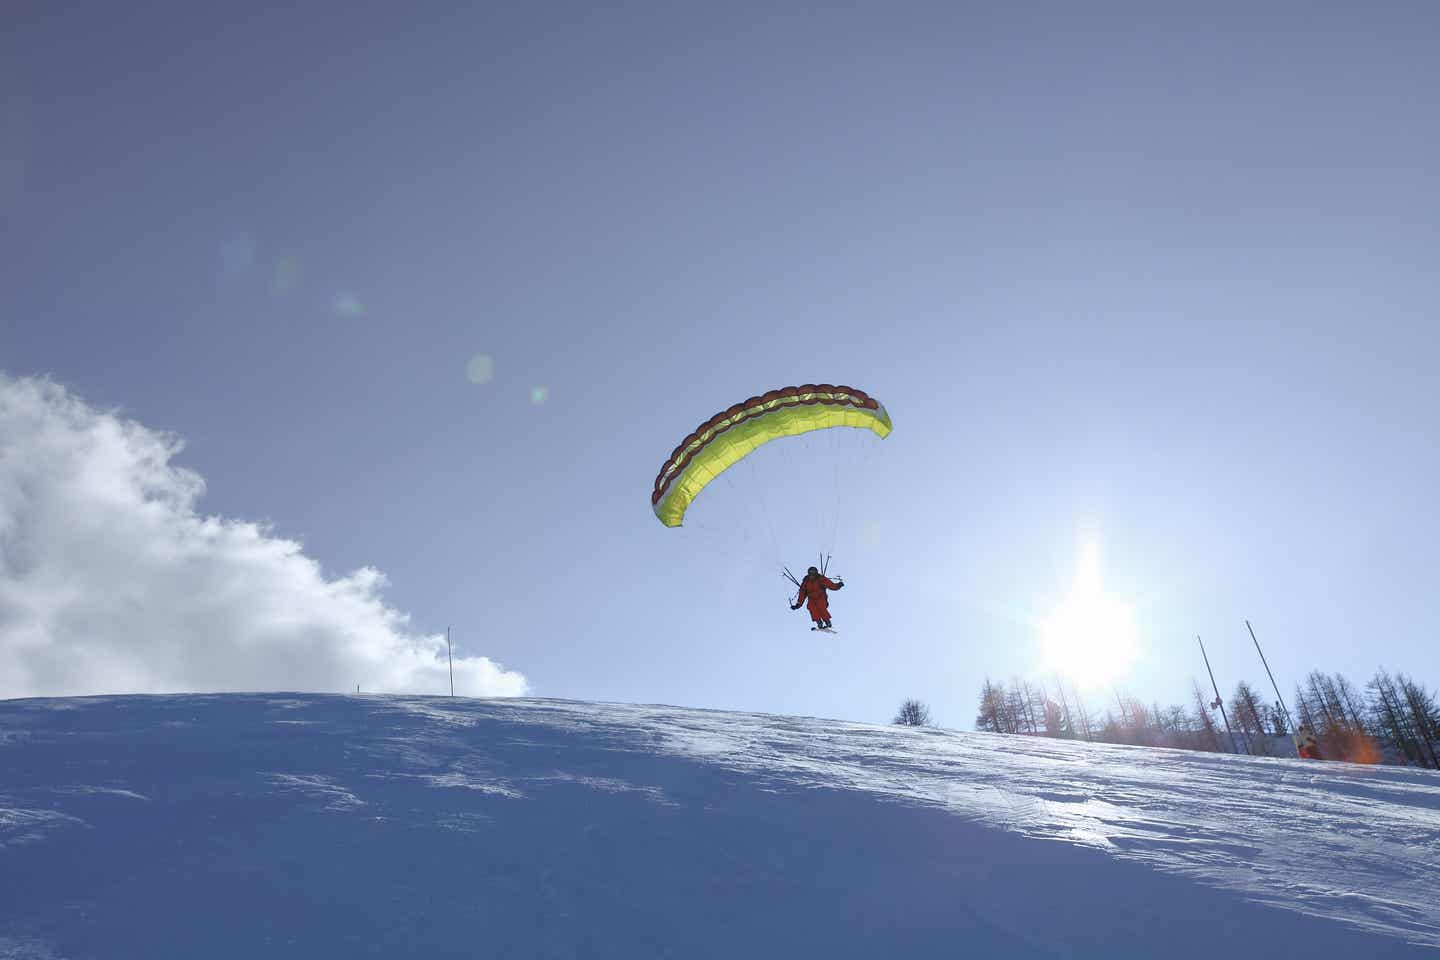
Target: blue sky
1161,280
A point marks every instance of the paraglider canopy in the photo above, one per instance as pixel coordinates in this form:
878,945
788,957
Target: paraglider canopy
730,435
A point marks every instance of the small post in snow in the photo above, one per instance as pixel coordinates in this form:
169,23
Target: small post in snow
1275,686
1216,687
451,659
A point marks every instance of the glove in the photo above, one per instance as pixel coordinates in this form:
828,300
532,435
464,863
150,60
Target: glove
794,606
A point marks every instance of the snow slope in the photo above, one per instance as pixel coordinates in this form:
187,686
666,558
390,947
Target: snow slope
324,826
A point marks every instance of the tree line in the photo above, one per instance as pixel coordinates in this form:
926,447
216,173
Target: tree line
1394,719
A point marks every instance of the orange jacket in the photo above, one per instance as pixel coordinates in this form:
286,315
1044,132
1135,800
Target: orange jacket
812,589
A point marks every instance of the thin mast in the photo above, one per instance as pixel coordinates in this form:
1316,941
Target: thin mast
1216,687
1275,686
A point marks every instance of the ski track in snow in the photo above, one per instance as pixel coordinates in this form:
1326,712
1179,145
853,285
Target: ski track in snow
19,825
16,949
323,790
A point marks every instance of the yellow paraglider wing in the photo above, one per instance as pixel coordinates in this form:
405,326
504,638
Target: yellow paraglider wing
730,435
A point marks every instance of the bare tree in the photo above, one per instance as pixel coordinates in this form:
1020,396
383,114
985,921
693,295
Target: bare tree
1018,705
1390,714
992,705
912,713
1303,708
1351,701
1067,721
1054,720
1343,730
1424,716
1034,707
1210,736
1249,716
1083,713
1279,725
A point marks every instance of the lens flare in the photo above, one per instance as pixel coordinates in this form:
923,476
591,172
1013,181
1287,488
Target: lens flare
348,305
480,369
237,253
286,276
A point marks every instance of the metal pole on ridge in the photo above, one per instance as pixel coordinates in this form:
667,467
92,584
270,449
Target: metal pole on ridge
451,660
1216,687
1275,686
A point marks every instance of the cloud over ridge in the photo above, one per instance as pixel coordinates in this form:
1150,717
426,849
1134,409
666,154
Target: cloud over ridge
112,582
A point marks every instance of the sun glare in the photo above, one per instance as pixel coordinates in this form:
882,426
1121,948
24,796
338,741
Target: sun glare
1091,637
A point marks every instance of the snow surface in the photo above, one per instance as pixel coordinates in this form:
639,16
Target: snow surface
325,826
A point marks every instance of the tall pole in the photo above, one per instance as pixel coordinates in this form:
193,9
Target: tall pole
1274,685
1216,687
451,659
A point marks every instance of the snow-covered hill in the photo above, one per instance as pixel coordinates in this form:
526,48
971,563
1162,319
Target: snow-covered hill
323,826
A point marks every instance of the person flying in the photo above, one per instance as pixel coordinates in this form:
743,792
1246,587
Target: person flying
812,595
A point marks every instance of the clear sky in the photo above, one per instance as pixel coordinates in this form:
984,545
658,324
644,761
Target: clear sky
1164,282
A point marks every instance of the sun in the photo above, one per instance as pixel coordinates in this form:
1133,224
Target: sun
1091,637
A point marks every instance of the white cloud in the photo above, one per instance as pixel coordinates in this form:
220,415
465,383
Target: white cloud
111,582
